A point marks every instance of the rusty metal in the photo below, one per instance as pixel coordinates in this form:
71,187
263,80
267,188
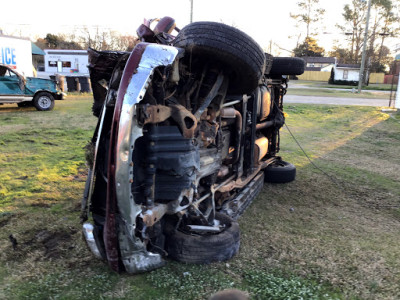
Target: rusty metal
220,198
178,205
230,184
237,204
239,164
185,119
153,114
229,112
208,132
153,215
264,125
213,93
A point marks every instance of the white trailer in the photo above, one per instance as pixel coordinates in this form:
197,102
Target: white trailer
66,62
16,53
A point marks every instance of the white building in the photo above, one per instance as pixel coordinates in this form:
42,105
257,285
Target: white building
347,72
65,62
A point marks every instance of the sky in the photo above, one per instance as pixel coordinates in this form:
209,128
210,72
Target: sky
267,21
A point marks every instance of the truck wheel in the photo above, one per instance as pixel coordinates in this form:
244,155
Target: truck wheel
268,62
204,248
287,66
280,172
43,101
242,57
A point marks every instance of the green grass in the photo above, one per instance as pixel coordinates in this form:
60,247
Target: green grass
310,239
43,152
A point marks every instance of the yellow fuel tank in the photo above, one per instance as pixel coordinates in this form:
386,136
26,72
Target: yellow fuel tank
261,148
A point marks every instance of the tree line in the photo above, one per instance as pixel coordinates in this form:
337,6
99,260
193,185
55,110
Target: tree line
95,37
384,23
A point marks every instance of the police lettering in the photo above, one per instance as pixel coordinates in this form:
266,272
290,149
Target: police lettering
8,56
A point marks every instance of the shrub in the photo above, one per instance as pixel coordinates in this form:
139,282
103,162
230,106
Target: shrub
345,82
332,78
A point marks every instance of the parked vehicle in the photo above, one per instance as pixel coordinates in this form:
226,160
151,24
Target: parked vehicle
27,91
188,131
16,53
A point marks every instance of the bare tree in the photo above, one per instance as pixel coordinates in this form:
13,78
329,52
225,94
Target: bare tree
354,16
309,14
106,39
384,24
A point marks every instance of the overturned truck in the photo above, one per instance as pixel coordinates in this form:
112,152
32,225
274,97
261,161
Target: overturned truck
187,133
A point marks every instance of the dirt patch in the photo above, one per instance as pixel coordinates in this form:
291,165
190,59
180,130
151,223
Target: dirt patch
4,222
5,218
47,244
40,204
54,242
50,144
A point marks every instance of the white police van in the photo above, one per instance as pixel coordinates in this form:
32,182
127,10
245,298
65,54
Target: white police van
16,53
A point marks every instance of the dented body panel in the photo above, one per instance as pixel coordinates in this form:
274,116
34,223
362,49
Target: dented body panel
177,157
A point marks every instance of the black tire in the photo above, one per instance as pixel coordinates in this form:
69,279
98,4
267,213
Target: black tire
241,55
206,248
43,101
287,66
268,62
280,172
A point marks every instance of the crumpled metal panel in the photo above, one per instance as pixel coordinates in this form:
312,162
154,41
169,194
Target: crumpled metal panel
133,251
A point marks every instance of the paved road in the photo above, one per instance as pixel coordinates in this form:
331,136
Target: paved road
293,84
335,100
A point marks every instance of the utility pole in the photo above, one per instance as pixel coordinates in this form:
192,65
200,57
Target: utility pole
361,75
397,100
191,11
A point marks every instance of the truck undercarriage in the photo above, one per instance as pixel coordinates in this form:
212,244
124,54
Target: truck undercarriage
186,133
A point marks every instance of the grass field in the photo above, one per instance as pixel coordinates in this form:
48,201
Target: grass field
318,237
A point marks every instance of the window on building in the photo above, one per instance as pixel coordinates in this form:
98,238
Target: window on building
53,64
345,74
66,64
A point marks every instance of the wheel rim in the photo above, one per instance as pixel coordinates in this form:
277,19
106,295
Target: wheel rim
44,102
